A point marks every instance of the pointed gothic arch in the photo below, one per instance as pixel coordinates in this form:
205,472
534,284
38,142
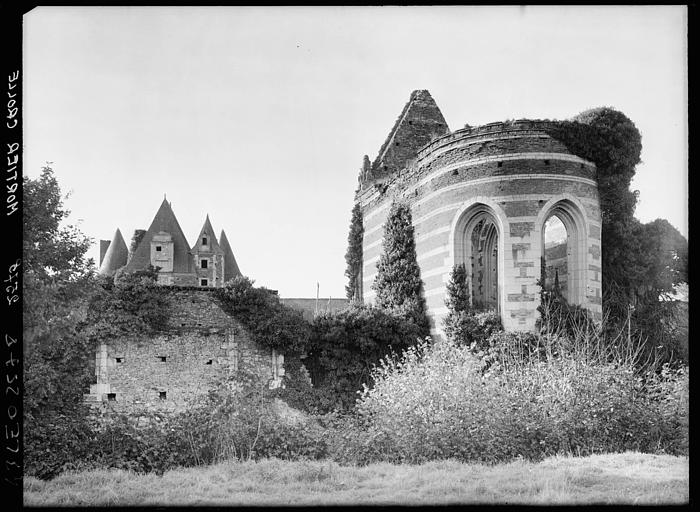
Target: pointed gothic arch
478,244
570,212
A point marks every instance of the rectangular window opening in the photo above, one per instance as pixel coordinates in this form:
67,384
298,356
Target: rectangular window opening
204,240
112,397
204,263
120,359
158,248
162,395
204,282
209,362
162,359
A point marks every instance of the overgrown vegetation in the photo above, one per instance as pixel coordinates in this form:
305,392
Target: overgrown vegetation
271,323
353,256
437,402
125,304
464,324
641,263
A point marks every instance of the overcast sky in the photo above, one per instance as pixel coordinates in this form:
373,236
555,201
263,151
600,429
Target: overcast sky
260,117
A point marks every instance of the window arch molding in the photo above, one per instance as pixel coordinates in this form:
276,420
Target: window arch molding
463,223
571,213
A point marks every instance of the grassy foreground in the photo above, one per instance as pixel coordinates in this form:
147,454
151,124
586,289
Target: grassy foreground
631,478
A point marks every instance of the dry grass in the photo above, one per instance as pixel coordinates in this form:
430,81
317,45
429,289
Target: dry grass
628,478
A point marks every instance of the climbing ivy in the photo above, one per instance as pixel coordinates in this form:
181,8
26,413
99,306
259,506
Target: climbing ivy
270,323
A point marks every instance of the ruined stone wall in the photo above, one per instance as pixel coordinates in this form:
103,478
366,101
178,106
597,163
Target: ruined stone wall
167,370
520,175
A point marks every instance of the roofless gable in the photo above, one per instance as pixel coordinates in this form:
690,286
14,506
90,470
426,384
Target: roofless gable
419,123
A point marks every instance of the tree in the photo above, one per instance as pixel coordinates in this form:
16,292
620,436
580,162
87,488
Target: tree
57,281
398,283
463,324
458,290
56,271
353,256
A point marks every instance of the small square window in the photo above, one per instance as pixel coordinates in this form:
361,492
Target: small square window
112,397
204,263
204,282
158,248
120,359
162,395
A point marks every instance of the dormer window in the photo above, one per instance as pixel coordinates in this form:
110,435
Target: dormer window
204,263
204,240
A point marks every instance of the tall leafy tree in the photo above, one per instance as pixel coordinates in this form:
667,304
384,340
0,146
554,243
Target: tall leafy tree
398,283
57,281
353,256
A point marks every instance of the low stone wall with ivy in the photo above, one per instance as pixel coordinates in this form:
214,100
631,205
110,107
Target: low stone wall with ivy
163,370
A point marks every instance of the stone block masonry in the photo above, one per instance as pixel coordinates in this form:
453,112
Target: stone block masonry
170,369
513,176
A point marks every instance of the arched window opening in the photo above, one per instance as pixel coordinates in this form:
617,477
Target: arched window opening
476,238
483,255
556,257
564,252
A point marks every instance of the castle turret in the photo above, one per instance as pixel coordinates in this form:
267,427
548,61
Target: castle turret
208,257
231,269
115,254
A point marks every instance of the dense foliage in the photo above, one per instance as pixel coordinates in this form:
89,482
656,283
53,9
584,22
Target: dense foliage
346,345
398,283
127,303
58,355
641,263
353,256
136,240
463,324
271,323
437,402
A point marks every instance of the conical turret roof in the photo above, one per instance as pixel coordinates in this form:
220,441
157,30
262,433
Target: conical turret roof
164,220
212,244
420,122
230,266
116,255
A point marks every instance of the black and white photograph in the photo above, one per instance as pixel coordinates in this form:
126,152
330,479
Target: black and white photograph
353,255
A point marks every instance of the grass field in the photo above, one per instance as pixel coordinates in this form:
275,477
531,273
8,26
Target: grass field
629,478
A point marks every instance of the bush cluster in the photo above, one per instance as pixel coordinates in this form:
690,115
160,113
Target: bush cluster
436,401
271,323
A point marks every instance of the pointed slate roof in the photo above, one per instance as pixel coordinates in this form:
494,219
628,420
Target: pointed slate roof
212,243
230,266
163,221
116,255
420,122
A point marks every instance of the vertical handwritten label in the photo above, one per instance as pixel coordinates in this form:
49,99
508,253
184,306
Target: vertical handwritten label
11,427
12,152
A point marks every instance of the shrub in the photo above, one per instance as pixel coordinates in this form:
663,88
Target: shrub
271,323
344,347
543,397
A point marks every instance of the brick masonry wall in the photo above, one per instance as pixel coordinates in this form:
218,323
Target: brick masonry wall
201,344
518,173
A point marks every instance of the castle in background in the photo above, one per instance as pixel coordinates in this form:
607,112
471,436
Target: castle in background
210,263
